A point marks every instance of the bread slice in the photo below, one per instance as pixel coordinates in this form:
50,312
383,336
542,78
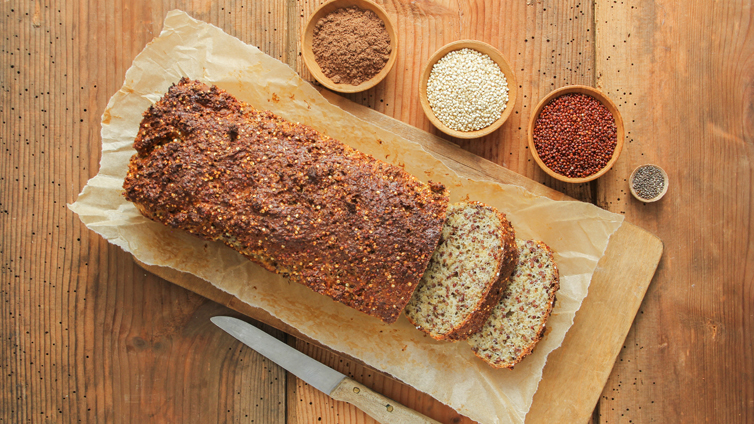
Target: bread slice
518,322
467,273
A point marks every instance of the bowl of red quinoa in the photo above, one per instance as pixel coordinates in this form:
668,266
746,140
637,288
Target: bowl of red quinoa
467,89
576,134
349,46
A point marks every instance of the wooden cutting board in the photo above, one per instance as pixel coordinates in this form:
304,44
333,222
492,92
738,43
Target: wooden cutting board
576,372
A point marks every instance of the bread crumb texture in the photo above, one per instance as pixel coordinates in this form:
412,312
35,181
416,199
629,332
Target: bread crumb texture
518,322
286,196
463,281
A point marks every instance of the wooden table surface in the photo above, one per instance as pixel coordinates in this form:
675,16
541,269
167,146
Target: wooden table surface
89,336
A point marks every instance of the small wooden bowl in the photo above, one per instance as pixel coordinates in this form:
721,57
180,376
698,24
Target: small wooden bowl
311,63
583,89
656,198
498,58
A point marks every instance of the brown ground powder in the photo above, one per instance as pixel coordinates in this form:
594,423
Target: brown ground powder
351,45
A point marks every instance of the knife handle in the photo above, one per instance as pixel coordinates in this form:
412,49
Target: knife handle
377,406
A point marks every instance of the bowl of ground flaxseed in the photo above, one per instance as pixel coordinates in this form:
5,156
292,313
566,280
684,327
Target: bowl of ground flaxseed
576,134
349,45
467,89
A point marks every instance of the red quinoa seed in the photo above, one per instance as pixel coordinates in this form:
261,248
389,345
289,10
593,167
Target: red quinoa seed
575,135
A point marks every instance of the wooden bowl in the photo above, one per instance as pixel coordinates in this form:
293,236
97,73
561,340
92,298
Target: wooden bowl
498,58
656,198
311,63
583,89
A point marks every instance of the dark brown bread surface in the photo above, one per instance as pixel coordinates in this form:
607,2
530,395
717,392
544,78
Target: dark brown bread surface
294,200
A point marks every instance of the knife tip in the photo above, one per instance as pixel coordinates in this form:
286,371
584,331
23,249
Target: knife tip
218,319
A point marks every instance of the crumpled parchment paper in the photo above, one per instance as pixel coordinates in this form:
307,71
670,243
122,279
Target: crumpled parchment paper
577,232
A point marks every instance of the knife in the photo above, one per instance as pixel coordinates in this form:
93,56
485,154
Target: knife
321,377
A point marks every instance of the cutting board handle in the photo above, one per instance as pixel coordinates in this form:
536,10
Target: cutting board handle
377,406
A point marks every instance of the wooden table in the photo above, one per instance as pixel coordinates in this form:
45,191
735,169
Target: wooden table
89,336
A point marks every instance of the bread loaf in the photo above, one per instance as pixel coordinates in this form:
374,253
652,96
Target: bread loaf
467,273
518,322
286,196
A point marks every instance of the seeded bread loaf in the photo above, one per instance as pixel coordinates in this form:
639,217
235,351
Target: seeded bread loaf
467,273
286,196
518,322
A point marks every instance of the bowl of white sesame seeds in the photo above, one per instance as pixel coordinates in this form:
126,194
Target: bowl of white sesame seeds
468,89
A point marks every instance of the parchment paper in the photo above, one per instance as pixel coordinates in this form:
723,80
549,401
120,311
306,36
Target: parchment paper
577,232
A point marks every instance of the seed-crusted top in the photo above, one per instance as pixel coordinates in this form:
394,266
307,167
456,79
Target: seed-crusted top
286,196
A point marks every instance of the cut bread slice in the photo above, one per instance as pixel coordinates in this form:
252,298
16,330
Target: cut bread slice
518,322
467,274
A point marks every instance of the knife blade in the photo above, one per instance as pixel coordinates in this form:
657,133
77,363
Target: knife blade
323,378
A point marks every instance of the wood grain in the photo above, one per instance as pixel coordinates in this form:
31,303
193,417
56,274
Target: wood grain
87,336
376,405
689,356
371,378
304,402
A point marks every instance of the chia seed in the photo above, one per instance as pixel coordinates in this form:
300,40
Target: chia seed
648,182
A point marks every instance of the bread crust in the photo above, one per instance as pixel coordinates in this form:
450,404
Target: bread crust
286,196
